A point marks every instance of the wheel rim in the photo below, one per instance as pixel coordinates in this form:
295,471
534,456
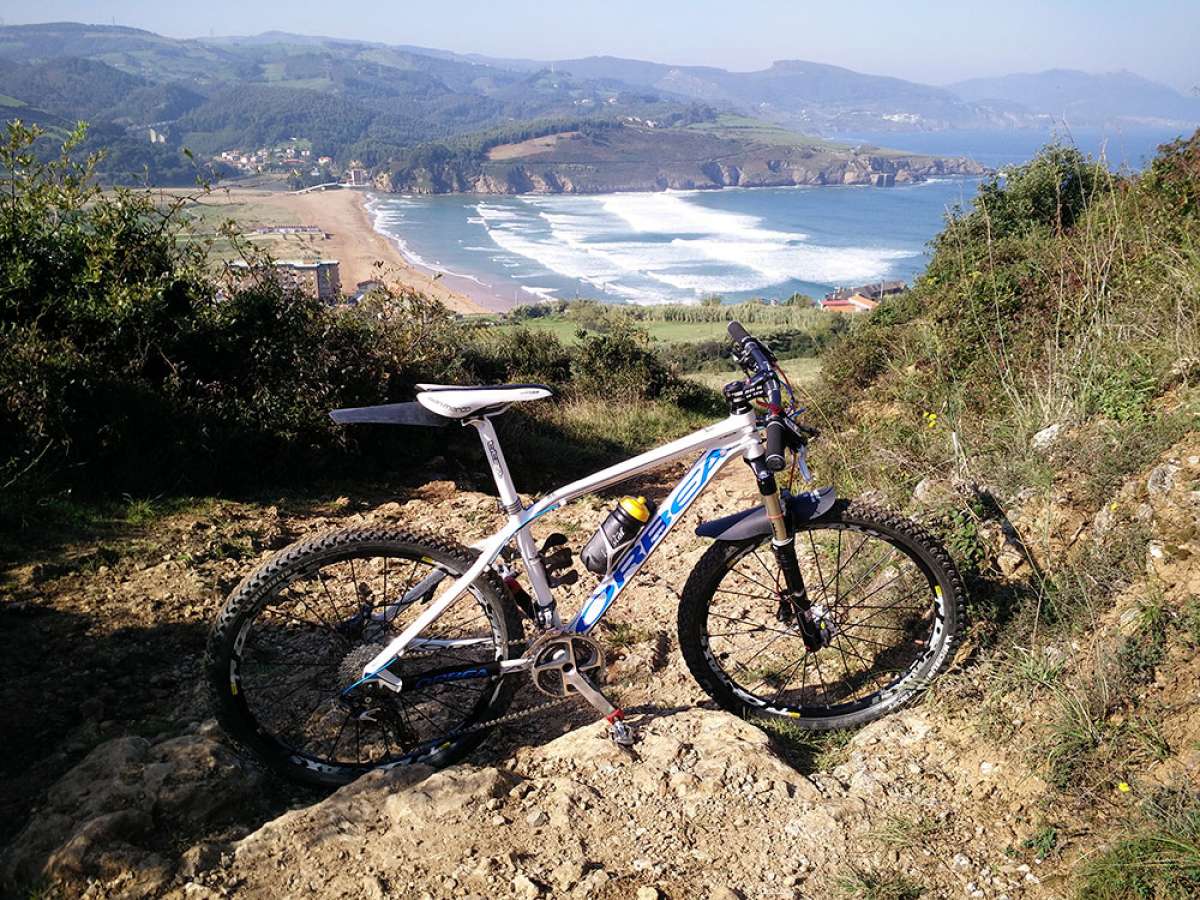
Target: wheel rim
314,633
882,602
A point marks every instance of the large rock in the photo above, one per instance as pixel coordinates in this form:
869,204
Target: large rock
701,792
701,806
107,816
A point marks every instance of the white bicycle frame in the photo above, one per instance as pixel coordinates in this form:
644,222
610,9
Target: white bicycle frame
719,444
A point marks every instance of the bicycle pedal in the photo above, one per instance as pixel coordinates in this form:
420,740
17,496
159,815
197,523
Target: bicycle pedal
567,578
555,560
622,735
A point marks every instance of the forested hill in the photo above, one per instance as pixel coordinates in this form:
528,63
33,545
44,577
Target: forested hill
374,104
351,100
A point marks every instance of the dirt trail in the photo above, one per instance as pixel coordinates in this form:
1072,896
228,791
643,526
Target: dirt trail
933,797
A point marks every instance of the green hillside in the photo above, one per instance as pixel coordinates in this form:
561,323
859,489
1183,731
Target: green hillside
397,109
352,100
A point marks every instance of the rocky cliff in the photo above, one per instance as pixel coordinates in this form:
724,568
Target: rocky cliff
643,159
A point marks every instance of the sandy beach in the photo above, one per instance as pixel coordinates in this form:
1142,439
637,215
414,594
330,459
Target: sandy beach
349,237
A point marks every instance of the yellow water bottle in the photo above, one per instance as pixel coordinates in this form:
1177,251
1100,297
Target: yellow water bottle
616,534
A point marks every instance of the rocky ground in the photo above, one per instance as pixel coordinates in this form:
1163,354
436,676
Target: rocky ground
115,783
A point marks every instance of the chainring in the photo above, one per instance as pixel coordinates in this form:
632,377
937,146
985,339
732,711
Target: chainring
555,654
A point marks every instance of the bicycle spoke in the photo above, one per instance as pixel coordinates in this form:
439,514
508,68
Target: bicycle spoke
803,660
837,574
292,674
772,575
868,586
817,559
763,627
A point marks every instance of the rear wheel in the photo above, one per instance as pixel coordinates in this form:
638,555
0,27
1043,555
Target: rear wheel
886,589
300,628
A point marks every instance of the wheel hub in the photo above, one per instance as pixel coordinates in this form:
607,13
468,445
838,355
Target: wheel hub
816,625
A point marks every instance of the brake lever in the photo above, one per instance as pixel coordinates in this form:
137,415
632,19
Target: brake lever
802,464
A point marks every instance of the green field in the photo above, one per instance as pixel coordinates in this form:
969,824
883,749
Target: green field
729,125
566,329
802,371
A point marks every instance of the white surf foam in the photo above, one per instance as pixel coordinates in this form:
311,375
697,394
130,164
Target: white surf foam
672,213
386,220
668,246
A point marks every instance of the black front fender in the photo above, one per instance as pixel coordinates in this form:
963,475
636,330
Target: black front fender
753,522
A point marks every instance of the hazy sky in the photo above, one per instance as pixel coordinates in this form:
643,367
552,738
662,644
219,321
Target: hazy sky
933,41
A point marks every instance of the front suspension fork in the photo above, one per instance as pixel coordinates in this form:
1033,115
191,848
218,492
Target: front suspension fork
795,609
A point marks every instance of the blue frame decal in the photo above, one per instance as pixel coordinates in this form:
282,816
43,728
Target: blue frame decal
672,510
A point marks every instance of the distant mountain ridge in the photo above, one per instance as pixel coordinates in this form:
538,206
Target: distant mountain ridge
1082,98
829,99
388,105
807,96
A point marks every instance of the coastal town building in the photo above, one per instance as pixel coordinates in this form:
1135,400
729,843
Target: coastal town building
295,153
861,299
292,229
318,277
856,303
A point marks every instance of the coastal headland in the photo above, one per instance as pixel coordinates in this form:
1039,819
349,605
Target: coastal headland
730,152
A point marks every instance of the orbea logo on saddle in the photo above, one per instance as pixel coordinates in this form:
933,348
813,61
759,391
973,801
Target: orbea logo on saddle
676,504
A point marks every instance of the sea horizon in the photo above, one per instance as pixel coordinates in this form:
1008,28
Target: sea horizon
681,246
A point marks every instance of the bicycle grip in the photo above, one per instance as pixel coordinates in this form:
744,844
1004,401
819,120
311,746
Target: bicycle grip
775,459
737,333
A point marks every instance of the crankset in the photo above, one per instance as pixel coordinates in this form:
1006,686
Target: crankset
571,664
555,655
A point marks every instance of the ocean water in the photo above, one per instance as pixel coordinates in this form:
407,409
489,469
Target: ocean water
680,246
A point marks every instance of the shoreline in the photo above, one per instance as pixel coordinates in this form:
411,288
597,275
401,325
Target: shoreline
347,234
348,219
397,267
467,289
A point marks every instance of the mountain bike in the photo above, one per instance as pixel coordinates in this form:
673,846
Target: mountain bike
381,646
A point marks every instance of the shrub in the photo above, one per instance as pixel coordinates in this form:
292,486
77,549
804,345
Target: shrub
128,364
518,355
620,365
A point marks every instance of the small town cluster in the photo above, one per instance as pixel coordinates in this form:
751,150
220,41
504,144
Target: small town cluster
295,159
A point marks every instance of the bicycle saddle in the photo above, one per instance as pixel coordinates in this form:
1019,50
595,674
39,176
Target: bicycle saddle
458,402
439,404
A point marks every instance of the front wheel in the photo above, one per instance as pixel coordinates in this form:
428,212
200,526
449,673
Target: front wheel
880,584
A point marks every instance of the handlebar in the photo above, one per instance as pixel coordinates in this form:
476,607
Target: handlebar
749,350
758,363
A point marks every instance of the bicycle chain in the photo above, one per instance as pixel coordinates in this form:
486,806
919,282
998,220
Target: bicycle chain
507,718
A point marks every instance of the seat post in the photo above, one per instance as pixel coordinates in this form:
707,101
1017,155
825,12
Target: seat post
495,457
510,501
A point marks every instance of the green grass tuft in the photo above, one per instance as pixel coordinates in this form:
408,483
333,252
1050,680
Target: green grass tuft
869,883
1160,860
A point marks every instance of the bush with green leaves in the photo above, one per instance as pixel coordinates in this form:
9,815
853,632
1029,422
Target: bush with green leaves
1064,294
125,359
129,363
